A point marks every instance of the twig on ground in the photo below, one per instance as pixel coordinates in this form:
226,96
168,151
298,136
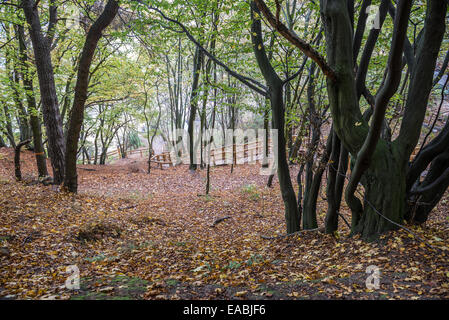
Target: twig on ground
220,220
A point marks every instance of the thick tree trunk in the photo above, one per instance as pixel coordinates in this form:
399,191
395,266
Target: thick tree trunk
82,82
384,184
50,109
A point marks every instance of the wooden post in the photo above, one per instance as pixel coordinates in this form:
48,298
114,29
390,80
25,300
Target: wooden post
257,150
223,154
245,152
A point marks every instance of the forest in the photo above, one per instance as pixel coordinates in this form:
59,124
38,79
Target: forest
224,150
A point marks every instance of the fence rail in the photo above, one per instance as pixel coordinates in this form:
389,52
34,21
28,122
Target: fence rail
236,153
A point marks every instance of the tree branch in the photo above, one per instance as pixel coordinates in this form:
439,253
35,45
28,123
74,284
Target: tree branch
251,83
305,47
384,95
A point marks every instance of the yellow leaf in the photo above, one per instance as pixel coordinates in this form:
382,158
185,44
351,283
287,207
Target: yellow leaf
240,293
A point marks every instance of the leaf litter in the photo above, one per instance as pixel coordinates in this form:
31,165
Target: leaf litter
139,236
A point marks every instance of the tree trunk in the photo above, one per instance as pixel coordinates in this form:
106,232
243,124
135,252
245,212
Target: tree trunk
331,221
312,189
35,122
19,146
313,181
8,131
292,216
2,142
82,82
432,189
197,62
50,109
14,81
384,184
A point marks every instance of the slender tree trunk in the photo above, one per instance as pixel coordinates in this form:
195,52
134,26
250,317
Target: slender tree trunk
313,179
276,96
197,62
312,189
331,221
2,142
19,146
14,81
82,82
8,132
32,107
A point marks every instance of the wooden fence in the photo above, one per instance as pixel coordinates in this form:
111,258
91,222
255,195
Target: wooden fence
250,152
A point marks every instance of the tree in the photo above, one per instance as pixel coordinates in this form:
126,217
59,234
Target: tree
381,165
44,67
35,121
77,112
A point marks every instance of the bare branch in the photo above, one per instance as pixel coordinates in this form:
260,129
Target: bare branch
305,47
251,83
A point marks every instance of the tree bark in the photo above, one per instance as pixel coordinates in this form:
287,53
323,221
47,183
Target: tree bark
35,122
333,205
384,180
82,82
2,142
50,109
276,96
17,170
197,62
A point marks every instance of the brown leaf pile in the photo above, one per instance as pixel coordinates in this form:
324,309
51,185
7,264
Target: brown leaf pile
134,235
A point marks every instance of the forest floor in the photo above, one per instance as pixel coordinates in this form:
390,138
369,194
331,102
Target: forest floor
139,236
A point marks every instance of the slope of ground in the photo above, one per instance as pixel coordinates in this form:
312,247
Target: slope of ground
137,236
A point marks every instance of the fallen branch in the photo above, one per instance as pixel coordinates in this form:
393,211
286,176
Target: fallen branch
220,220
88,169
128,207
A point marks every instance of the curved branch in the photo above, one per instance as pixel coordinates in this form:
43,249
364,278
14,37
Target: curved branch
361,24
432,185
288,34
443,69
384,95
427,154
251,83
